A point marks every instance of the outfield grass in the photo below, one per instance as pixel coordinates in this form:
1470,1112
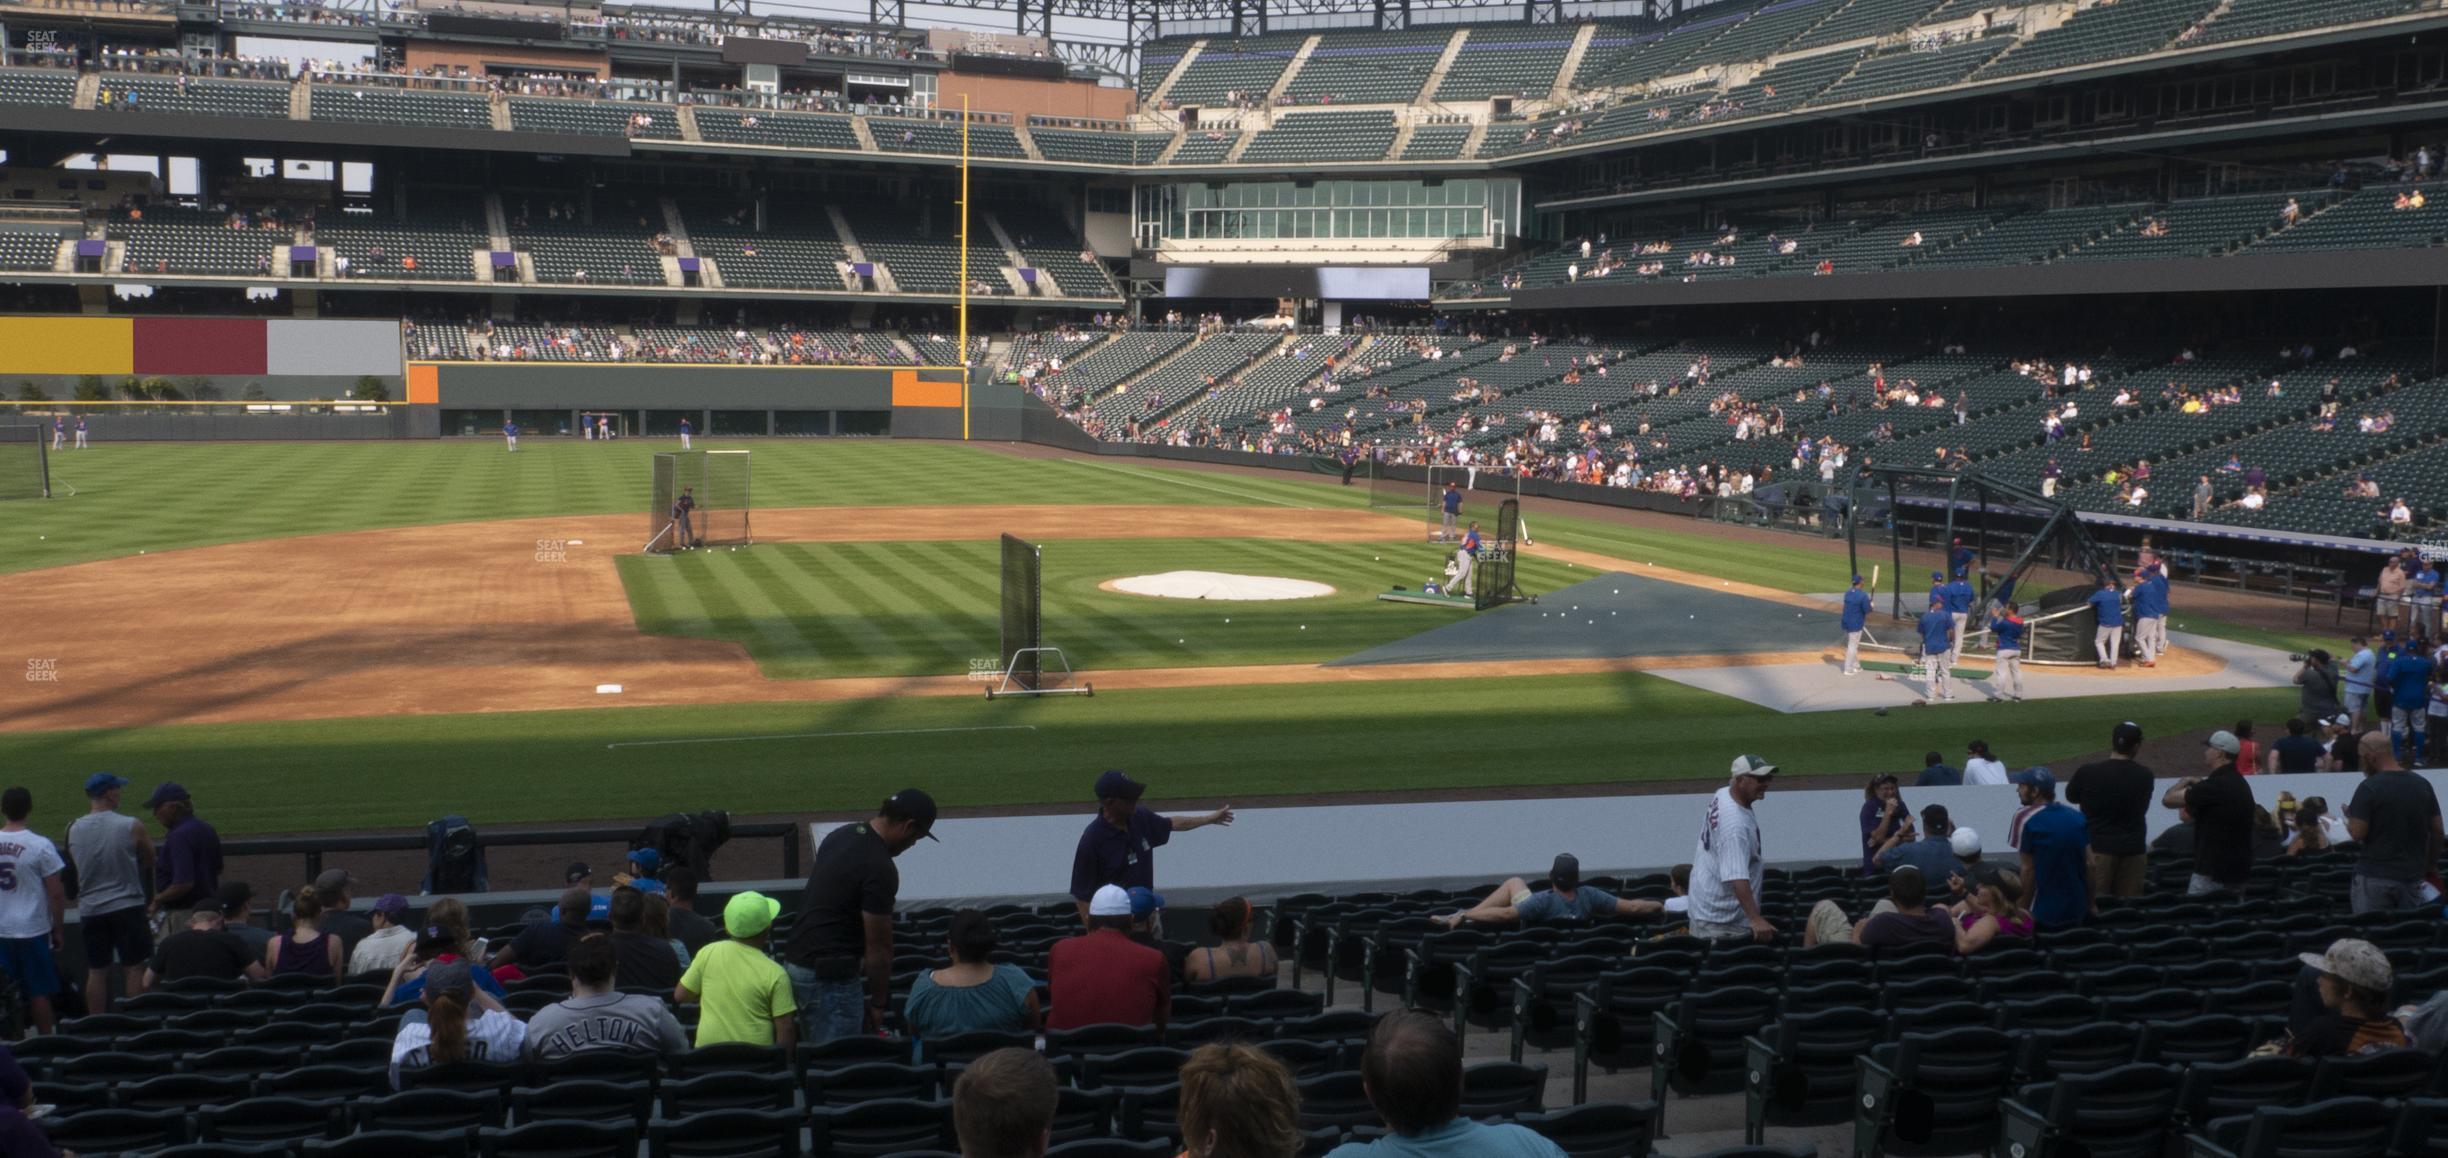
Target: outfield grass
1204,744
824,610
160,496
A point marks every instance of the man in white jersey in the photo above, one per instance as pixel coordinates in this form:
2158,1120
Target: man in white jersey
1727,866
33,905
114,858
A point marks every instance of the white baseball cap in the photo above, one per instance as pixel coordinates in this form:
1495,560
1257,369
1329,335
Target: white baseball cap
1965,842
1110,901
1751,766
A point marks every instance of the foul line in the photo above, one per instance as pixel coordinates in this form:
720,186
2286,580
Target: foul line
820,736
1195,486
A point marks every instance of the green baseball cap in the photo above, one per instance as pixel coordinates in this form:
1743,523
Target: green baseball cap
749,914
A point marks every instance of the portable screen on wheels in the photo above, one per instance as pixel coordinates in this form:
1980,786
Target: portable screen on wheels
1495,579
25,471
1023,613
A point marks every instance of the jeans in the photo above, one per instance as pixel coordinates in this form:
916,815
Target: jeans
828,1009
2372,893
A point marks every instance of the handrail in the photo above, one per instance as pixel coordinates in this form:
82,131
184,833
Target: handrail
313,847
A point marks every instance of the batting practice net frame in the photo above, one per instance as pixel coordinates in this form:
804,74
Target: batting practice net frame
1021,651
719,481
25,464
1492,585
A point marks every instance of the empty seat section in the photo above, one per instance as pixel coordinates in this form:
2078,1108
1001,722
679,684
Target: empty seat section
797,249
1204,146
21,249
1346,135
593,118
1051,246
790,130
616,248
1500,61
2246,19
1224,67
1766,33
435,240
2369,219
399,106
1095,148
37,86
1360,68
1866,18
167,239
924,260
2126,28
1911,70
1436,142
904,135
193,97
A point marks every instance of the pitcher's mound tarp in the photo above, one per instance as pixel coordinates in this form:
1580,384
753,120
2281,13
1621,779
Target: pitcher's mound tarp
1618,615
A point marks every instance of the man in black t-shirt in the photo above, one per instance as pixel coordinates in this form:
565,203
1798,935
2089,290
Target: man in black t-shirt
203,949
545,944
839,955
2222,808
2114,795
691,926
2396,817
642,960
2296,751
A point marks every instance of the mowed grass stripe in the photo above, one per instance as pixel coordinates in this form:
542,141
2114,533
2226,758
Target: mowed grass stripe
966,580
937,610
801,571
765,601
851,603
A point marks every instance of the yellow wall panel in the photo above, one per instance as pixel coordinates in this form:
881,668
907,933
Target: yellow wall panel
67,346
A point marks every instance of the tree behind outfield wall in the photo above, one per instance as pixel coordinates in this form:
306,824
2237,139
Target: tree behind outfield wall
370,388
91,388
29,392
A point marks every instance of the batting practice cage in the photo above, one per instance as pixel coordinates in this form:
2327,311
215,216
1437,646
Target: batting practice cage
1972,513
25,468
716,482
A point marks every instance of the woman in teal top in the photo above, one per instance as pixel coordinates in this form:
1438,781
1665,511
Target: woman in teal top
973,993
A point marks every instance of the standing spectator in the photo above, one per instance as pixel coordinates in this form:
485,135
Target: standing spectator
205,948
2396,817
390,940
1003,1105
2114,795
445,1034
1981,767
238,916
2296,752
2345,748
2248,750
1412,1072
687,924
1565,899
113,855
1727,867
741,994
1237,1101
307,950
2056,848
839,956
544,944
598,1016
2362,672
331,887
1104,976
1119,845
2318,677
1234,953
2221,806
188,876
972,993
646,960
33,908
1882,812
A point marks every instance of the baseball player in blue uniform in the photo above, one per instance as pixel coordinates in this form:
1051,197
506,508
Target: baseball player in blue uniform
1937,629
1453,511
2409,679
1938,588
681,509
2006,628
1959,559
1856,616
1466,559
80,432
2109,637
1959,599
59,431
510,434
2150,608
684,434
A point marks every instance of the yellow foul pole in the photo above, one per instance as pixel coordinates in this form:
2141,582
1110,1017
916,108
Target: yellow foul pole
963,360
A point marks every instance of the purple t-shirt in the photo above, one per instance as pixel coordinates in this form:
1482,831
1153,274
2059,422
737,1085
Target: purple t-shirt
1119,856
191,853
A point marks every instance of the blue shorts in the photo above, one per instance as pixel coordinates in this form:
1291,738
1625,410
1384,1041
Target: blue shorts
27,961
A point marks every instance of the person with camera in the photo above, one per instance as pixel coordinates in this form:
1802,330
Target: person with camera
1882,812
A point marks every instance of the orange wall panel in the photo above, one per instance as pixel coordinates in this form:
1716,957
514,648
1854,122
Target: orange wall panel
424,383
67,346
908,390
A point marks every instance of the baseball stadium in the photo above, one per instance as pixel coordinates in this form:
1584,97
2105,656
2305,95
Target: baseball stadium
486,483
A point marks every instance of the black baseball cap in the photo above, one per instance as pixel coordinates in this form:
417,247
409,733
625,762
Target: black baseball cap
1114,785
2126,735
576,872
915,806
1565,873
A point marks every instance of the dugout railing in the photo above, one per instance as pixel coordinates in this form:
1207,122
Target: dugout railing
311,849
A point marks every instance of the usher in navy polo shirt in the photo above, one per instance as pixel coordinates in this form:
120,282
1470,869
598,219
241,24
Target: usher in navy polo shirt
1117,856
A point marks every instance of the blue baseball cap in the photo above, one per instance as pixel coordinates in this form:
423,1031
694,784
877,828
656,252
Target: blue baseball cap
1113,785
2036,777
1145,901
101,782
165,792
646,859
1938,575
1857,578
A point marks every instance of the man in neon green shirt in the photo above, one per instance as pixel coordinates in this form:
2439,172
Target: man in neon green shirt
742,994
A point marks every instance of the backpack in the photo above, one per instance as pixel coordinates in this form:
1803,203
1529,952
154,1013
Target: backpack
454,857
687,839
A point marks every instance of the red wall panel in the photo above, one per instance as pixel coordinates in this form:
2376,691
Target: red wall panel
174,346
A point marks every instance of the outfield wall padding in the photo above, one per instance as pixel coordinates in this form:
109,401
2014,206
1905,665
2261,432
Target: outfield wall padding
183,347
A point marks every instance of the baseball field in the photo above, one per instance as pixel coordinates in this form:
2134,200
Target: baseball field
365,635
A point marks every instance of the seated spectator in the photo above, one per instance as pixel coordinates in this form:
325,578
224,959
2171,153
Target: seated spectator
1147,924
2268,842
2354,979
1412,1072
1234,954
742,994
443,1033
1237,1101
1931,849
238,916
687,924
1003,1105
19,1136
657,924
2176,839
307,950
436,945
546,943
1903,920
451,914
1992,910
597,1016
972,993
390,939
205,948
1565,899
645,866
646,961
331,888
1102,975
